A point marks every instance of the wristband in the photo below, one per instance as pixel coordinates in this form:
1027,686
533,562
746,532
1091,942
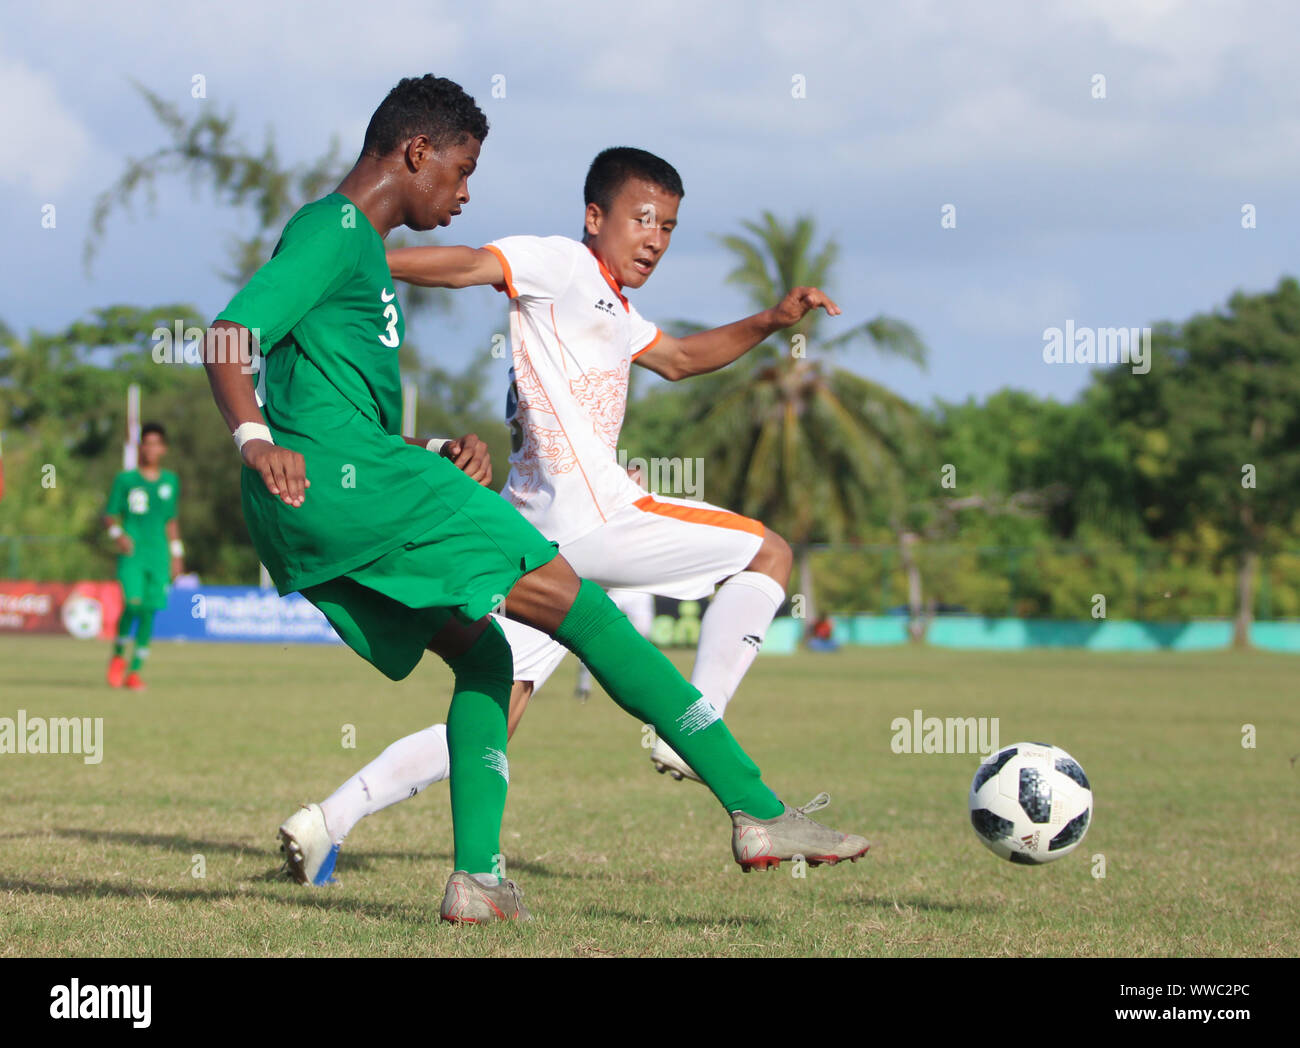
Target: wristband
436,445
115,531
178,550
247,431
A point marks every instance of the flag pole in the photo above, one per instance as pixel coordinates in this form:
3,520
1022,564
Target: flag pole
130,450
409,398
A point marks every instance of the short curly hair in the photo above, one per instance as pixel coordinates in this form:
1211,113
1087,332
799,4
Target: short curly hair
425,105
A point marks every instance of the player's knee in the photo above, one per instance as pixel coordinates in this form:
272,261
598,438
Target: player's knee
775,558
487,660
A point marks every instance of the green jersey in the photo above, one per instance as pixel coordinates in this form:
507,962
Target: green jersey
325,312
145,507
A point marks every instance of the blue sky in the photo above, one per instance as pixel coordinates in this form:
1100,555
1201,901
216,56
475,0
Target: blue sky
1110,212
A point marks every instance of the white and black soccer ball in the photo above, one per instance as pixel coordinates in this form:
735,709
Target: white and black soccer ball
82,616
1030,803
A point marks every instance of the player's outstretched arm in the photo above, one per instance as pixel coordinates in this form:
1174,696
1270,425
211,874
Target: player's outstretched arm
283,471
678,358
446,266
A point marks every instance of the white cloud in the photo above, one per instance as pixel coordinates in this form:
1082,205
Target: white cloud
44,145
1122,206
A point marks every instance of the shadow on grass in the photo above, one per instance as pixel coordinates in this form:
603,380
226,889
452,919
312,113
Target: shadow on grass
678,920
166,841
46,682
576,871
86,888
356,860
880,902
351,861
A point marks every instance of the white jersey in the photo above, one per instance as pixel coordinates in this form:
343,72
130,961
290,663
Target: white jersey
573,338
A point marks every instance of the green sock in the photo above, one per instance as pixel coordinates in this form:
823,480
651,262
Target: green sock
142,637
124,626
476,744
642,681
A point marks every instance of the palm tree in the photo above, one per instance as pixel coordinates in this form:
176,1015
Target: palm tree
810,449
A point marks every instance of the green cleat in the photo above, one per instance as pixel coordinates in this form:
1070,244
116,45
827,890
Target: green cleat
764,843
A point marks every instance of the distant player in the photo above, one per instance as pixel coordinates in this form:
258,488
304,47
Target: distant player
574,336
141,520
401,549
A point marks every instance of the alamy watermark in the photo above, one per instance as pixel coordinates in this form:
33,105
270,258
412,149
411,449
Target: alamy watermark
667,476
196,345
72,1000
53,735
1087,345
921,734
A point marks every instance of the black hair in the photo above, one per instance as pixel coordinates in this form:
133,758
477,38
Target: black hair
425,105
152,427
613,167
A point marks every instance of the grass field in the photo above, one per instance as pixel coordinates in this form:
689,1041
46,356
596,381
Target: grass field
1199,834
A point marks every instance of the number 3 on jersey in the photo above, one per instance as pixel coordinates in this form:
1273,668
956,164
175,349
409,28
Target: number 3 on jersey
390,337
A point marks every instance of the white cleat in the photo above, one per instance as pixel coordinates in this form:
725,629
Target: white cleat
309,854
667,762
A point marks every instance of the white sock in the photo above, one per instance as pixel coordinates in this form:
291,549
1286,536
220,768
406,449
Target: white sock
731,633
400,772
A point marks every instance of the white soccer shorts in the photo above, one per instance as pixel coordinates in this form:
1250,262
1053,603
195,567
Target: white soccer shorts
665,546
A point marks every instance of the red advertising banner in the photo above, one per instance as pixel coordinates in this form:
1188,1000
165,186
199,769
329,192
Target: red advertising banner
86,610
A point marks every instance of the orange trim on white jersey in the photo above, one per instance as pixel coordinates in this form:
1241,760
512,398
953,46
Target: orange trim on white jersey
508,287
649,345
614,285
717,518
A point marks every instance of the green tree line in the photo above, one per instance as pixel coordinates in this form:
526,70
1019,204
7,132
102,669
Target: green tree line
1170,494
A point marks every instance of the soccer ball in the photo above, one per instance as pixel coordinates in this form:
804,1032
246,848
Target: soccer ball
1030,803
82,616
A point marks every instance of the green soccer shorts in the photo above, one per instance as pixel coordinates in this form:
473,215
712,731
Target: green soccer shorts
145,582
388,610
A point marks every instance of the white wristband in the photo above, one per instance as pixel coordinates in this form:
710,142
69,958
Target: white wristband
436,445
178,550
251,431
115,531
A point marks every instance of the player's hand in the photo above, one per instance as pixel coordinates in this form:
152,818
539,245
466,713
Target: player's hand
800,300
125,545
284,472
471,455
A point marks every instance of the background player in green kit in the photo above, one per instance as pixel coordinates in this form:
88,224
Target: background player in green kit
141,520
401,549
